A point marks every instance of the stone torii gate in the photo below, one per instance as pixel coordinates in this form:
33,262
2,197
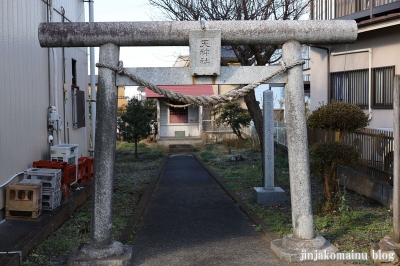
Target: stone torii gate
102,250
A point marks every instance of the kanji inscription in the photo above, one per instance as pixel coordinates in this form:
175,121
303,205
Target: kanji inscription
205,52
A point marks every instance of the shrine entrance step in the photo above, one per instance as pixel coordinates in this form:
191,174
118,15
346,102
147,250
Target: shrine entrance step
180,148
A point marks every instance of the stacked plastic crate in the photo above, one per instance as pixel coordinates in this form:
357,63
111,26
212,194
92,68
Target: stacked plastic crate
24,200
82,178
68,174
88,167
85,170
51,183
66,153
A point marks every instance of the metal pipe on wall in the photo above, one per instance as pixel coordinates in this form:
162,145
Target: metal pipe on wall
48,20
92,82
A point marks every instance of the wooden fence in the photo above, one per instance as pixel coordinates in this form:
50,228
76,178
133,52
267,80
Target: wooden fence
375,146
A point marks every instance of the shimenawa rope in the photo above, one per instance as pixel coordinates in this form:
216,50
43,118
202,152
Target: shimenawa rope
202,99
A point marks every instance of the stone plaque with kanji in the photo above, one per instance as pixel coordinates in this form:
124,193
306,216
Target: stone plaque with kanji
205,52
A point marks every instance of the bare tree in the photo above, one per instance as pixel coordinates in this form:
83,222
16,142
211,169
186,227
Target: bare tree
247,55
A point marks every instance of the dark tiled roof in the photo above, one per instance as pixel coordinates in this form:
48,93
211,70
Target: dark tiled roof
378,19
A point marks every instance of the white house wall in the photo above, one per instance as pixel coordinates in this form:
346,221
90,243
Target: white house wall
349,62
25,92
385,44
319,77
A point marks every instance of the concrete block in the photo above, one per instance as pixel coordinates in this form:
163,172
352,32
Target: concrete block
273,196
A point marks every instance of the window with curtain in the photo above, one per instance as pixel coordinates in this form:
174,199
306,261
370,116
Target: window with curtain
382,87
352,87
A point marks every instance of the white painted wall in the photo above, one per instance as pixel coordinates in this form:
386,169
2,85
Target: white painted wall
24,85
319,77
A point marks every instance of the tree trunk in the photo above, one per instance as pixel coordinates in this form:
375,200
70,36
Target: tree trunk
327,184
255,112
136,153
331,185
334,183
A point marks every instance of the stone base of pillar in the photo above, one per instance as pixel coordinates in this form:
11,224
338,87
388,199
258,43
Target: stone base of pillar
88,258
273,196
290,249
386,252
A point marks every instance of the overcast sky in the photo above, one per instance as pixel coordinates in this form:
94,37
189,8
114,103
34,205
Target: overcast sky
136,10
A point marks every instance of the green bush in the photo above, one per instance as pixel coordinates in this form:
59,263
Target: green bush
233,115
337,153
327,156
338,116
136,119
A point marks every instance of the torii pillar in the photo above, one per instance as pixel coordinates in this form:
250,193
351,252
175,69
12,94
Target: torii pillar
109,36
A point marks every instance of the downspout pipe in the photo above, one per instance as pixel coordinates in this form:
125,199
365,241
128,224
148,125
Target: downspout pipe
369,50
92,82
48,19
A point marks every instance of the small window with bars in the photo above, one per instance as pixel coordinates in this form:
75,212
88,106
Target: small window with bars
178,115
350,87
382,87
353,87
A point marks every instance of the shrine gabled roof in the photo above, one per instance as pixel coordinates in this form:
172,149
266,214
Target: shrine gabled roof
195,90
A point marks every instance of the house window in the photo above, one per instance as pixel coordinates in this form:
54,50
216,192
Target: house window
78,107
382,87
178,115
352,87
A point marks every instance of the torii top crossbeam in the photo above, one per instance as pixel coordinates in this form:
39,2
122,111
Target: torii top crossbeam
176,33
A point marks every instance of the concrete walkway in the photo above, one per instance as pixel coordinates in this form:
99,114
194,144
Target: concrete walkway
191,220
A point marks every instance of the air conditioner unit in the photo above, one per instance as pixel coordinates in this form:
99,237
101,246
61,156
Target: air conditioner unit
65,153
